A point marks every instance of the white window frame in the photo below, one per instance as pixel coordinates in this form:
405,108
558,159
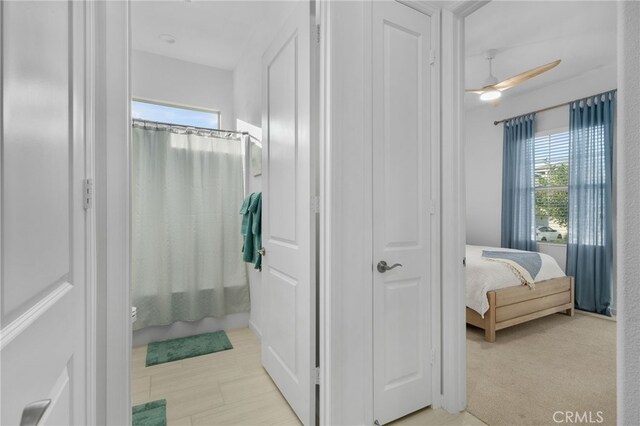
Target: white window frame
180,106
547,133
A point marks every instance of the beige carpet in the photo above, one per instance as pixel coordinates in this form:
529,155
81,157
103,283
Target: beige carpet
557,363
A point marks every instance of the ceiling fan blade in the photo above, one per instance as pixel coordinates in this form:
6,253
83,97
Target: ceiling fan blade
481,91
522,77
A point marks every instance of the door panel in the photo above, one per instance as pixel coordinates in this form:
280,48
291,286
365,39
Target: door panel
402,300
283,142
42,307
288,333
35,149
401,210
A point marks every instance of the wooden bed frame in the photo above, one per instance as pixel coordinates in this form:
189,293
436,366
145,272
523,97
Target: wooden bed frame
515,305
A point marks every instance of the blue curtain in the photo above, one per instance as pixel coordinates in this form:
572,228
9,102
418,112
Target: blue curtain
518,190
590,241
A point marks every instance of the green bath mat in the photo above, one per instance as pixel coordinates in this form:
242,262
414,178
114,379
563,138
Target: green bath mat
152,413
187,347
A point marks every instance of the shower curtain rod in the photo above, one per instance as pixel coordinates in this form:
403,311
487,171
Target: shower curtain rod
203,129
495,123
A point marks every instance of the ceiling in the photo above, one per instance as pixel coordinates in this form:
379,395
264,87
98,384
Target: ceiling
531,33
525,33
213,33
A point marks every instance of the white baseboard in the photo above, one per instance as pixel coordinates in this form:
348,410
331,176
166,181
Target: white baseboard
255,329
592,314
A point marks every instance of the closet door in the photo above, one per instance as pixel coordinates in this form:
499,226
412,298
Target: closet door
401,210
288,273
42,302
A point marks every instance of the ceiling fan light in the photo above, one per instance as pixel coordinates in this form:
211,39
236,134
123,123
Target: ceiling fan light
490,95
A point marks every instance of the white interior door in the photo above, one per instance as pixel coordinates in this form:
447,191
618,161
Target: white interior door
288,273
42,338
401,210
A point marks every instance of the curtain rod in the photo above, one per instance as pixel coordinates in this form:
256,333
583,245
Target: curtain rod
495,123
204,129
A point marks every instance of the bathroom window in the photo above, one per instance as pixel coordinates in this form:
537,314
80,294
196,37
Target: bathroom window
170,114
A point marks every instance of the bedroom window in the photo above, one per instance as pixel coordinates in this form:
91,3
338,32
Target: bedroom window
170,114
552,186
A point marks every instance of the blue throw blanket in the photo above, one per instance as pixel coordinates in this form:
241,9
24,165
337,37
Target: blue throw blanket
529,261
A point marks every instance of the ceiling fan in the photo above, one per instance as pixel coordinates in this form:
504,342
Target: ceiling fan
493,89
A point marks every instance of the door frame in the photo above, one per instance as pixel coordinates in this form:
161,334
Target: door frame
454,344
90,215
434,218
449,324
627,238
111,124
111,65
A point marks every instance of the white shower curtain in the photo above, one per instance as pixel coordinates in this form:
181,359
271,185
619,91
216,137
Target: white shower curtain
186,243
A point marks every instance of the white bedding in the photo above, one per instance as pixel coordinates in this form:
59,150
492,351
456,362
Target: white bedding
484,275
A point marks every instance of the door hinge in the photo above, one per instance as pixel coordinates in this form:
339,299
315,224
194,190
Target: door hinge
432,57
315,204
433,356
317,33
432,207
316,375
87,193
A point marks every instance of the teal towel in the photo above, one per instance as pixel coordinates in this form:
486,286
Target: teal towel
256,209
252,229
244,211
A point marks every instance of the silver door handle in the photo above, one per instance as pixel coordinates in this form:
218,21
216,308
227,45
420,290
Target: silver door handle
383,267
33,412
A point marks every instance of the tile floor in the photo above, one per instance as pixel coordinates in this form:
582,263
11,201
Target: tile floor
231,387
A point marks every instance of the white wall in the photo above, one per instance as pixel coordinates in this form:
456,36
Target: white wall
484,148
247,91
247,96
628,244
160,78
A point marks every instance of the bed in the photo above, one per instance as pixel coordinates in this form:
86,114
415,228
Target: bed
497,298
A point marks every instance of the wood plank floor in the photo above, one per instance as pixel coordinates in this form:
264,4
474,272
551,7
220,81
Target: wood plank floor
232,388
228,387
